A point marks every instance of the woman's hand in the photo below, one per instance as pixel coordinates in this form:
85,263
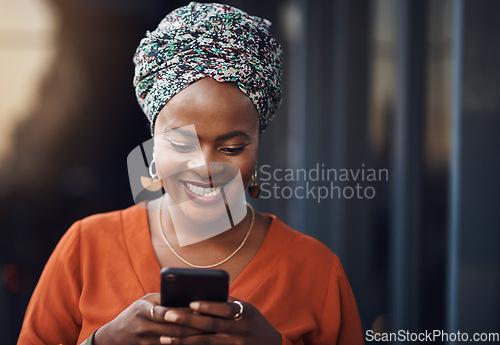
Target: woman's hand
218,320
143,322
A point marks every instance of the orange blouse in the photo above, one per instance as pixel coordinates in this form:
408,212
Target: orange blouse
106,262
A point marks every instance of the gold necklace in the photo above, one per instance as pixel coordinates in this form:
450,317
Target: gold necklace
206,266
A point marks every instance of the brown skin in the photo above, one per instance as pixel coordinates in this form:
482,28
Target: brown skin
216,109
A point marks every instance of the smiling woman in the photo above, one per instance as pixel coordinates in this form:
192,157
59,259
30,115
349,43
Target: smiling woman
208,79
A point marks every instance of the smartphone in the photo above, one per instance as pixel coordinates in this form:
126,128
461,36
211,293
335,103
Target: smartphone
181,286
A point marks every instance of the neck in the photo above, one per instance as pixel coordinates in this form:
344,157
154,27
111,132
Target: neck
220,241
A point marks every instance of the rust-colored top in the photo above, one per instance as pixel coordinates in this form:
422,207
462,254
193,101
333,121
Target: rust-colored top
106,262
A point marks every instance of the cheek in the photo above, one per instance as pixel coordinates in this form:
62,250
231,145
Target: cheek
168,164
247,168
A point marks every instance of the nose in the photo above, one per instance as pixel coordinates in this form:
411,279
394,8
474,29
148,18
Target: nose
195,163
200,158
205,164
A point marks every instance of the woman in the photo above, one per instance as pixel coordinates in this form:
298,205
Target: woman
208,78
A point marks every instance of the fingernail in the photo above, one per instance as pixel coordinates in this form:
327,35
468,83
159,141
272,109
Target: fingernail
171,316
194,305
165,340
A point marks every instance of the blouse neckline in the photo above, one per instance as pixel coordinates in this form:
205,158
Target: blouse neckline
147,268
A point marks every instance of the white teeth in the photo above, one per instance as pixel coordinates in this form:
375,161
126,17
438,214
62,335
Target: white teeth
202,191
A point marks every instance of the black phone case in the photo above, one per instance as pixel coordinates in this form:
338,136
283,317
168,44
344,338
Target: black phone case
181,286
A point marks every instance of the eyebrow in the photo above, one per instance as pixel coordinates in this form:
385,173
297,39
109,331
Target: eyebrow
182,132
233,134
221,137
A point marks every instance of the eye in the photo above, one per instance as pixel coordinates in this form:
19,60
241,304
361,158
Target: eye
182,148
232,151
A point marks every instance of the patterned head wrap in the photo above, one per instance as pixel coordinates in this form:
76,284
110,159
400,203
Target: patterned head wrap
209,40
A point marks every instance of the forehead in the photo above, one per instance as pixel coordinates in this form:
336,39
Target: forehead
213,107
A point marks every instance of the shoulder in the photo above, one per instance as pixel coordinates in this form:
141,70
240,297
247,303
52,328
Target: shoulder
100,229
301,268
301,251
111,221
298,240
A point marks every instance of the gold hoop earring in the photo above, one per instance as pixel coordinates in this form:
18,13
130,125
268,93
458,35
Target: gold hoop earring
151,174
254,189
153,183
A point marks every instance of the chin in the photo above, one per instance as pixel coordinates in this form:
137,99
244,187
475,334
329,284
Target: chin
195,223
204,214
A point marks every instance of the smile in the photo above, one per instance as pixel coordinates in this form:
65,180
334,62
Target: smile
202,191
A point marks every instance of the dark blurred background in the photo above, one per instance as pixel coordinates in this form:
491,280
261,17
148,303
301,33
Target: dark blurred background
408,86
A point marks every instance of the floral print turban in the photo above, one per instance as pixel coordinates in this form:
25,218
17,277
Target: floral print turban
209,40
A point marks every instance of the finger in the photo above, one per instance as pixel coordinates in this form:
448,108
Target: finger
202,322
165,328
199,339
157,325
153,298
153,311
157,313
172,330
225,310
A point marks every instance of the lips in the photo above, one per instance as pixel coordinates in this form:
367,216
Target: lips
201,191
206,192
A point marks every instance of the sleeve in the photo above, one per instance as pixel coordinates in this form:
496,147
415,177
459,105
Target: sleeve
53,315
340,296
